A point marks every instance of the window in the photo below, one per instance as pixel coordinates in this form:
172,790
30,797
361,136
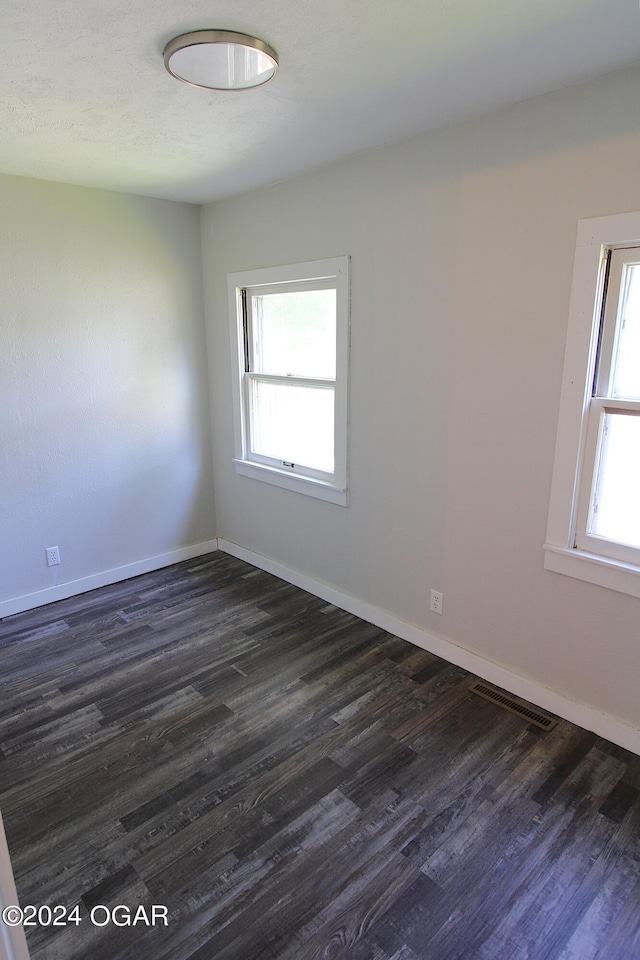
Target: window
594,520
609,503
290,335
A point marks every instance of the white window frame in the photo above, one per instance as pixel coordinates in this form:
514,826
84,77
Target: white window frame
567,550
314,274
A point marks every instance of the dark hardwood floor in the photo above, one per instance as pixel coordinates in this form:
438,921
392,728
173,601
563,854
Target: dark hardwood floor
293,783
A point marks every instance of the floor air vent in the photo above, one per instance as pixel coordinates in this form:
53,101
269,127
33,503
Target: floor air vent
513,704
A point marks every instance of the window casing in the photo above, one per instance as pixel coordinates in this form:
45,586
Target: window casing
594,518
290,337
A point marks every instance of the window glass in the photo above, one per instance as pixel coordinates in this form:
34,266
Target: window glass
615,511
295,333
293,423
626,366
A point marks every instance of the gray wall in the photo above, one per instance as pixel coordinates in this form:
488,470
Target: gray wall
462,248
105,445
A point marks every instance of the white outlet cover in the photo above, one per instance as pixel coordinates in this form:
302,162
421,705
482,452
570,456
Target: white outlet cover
436,601
53,556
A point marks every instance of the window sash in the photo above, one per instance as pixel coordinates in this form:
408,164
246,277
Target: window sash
290,378
584,539
250,321
619,259
289,465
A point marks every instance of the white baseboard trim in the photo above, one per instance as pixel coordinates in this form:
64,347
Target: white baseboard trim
73,587
604,725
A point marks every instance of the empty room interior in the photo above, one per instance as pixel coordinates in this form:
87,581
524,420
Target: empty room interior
319,480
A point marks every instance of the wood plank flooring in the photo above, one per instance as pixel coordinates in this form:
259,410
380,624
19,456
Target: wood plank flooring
293,783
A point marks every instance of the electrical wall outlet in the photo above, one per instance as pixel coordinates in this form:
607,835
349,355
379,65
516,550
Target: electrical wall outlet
436,601
53,556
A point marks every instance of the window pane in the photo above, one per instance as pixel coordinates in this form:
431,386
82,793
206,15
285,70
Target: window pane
294,423
295,333
616,513
626,368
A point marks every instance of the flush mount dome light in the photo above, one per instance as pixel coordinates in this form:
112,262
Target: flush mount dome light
220,60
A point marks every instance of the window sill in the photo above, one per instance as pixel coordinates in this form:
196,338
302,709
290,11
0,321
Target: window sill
614,574
307,486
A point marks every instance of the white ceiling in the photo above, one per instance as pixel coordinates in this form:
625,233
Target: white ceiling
85,98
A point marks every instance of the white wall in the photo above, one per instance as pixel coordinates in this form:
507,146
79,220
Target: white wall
105,446
462,249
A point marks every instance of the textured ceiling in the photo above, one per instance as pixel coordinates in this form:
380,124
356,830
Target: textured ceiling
85,98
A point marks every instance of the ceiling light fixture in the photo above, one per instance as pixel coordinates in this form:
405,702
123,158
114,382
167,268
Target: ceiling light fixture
220,60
